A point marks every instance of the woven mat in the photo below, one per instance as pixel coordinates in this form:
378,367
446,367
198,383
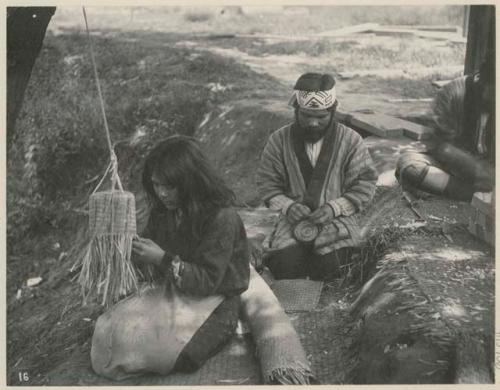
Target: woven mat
297,295
323,334
234,365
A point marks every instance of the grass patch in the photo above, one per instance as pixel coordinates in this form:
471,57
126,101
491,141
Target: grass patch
397,86
287,22
367,53
148,87
313,48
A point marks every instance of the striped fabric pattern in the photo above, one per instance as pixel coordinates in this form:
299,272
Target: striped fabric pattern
349,186
280,203
448,110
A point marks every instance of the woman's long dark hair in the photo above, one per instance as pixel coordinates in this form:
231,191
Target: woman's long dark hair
180,162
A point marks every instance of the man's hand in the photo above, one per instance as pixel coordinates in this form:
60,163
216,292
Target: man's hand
147,251
297,212
322,215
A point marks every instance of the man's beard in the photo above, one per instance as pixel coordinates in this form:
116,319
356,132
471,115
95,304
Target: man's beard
313,135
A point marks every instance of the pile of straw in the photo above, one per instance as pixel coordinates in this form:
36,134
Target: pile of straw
106,265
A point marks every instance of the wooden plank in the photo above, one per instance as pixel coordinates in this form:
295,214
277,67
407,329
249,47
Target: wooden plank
408,31
387,31
378,124
389,127
358,28
456,38
276,37
485,220
482,201
418,132
453,29
341,115
440,83
482,233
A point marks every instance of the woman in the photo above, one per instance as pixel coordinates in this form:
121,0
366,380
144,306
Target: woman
197,245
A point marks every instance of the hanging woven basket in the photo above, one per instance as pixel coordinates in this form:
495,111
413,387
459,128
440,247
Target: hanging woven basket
107,268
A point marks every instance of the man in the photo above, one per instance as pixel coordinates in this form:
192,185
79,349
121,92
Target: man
462,161
316,170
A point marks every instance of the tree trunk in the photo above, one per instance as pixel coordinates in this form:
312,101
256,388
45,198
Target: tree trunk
26,28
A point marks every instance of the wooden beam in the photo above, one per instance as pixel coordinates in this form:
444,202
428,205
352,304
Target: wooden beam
26,28
480,36
385,126
349,30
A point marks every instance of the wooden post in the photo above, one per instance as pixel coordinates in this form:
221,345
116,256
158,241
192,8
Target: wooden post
480,36
26,28
465,24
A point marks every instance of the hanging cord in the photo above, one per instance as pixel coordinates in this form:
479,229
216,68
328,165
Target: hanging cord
113,166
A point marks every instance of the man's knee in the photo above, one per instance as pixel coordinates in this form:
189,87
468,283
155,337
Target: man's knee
412,167
288,263
422,172
329,266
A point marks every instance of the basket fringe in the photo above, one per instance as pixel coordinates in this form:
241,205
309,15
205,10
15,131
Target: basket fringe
290,376
107,268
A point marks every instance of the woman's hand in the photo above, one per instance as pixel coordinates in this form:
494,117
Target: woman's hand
147,251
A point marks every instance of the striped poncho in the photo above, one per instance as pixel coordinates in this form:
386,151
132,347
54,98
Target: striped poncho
457,112
344,176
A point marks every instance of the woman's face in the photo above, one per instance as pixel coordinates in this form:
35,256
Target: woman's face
167,194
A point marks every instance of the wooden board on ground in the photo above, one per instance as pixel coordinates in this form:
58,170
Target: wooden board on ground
377,124
451,37
482,226
358,28
452,29
388,30
386,126
440,83
408,32
417,132
483,202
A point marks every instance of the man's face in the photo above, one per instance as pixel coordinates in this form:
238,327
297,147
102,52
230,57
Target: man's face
313,123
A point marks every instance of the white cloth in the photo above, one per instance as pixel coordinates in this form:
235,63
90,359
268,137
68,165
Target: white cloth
481,138
146,332
313,151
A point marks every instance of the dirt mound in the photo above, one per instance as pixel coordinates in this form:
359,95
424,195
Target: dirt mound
234,136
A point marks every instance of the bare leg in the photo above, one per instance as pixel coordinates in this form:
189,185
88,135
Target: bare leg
427,174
